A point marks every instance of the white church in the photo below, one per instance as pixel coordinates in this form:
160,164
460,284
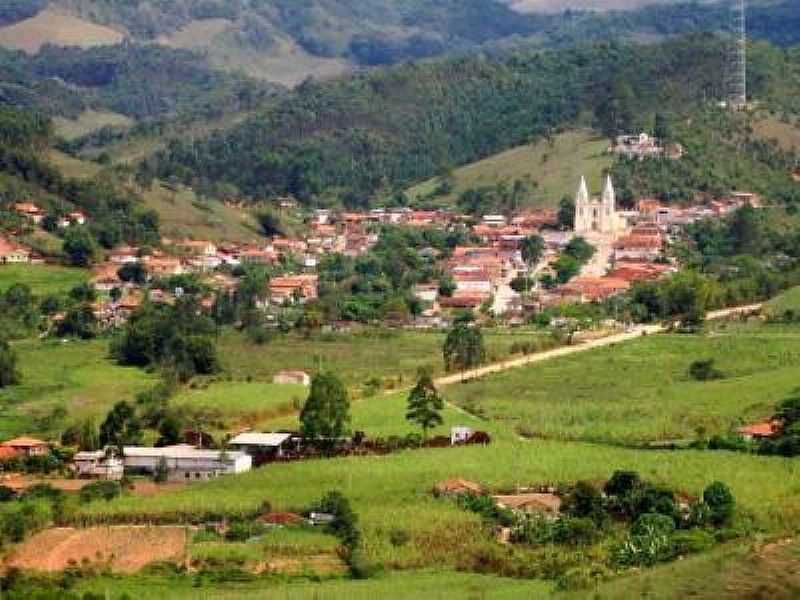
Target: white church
597,215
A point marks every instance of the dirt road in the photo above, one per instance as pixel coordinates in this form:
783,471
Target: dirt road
631,334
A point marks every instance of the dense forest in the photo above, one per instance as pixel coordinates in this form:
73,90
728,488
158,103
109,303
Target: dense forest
135,80
376,132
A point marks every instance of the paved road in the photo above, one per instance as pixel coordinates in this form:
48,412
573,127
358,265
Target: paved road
634,333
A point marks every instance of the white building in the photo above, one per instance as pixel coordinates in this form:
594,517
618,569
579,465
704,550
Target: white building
186,463
97,465
261,446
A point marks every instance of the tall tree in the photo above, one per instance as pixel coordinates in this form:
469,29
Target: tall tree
9,375
325,417
463,348
121,427
424,403
532,248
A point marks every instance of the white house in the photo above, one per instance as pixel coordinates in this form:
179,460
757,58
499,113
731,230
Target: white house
186,463
97,465
261,446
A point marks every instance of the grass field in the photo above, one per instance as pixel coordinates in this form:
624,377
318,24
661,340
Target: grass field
393,356
786,135
440,585
73,167
184,215
52,27
557,168
789,300
641,391
42,279
77,377
230,405
87,122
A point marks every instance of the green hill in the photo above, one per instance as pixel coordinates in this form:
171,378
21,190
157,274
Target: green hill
555,165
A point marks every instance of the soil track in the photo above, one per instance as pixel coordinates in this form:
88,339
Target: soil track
124,549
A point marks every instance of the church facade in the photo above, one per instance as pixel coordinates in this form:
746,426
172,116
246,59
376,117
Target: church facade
597,215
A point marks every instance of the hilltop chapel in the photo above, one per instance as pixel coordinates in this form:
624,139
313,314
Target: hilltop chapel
597,215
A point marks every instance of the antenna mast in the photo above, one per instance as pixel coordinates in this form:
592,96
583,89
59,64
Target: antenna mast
737,85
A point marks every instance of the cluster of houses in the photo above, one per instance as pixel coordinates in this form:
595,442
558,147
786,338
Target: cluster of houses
641,146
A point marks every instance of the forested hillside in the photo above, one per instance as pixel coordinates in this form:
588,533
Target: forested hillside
375,132
379,32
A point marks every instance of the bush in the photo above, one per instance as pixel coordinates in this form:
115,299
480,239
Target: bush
100,490
399,537
721,503
584,501
692,541
622,483
704,370
644,550
653,523
576,531
241,531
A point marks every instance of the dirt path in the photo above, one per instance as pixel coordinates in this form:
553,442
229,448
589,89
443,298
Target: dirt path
631,334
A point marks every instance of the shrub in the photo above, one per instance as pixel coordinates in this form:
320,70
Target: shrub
650,523
692,541
622,483
584,501
100,490
704,370
576,531
399,537
241,531
644,550
721,503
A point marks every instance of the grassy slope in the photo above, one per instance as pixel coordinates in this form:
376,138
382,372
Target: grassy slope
183,215
42,279
77,376
785,135
55,28
557,168
641,390
73,167
88,122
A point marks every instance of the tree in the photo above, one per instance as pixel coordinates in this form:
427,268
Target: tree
9,375
720,501
79,246
532,248
121,426
579,249
566,268
463,348
326,414
133,272
425,404
270,223
161,473
88,437
170,431
566,213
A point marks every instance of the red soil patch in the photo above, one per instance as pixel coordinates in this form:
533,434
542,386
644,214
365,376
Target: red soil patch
124,549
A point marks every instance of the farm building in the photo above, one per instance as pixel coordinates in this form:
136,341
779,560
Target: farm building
292,378
97,465
262,447
185,463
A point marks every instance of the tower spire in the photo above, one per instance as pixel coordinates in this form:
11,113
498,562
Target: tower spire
582,197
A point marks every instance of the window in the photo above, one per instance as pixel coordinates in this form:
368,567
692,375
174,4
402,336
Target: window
197,475
188,475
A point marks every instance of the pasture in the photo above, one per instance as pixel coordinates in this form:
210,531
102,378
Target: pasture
42,279
642,391
52,27
556,167
391,356
88,122
65,382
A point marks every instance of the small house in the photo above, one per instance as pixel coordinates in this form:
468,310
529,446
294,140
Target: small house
292,378
460,435
759,431
27,446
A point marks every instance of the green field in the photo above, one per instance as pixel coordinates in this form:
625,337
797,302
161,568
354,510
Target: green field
556,167
789,300
77,377
641,391
230,405
393,356
442,585
42,279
